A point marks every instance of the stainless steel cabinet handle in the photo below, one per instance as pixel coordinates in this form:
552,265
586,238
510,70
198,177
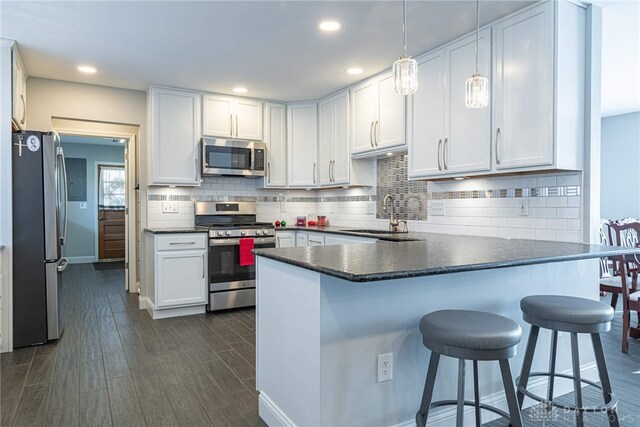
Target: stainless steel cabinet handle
333,170
24,110
439,145
498,135
182,243
444,153
231,125
269,172
314,172
371,135
376,130
203,266
236,125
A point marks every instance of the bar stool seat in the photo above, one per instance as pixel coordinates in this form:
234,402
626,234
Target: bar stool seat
574,315
566,313
469,335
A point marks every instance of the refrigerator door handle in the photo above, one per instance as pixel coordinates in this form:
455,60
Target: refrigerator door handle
62,265
63,199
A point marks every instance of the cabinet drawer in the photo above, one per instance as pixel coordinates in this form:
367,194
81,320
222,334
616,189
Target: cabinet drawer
176,242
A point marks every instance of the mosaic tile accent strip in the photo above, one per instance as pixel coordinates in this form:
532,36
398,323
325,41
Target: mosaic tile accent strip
409,197
504,193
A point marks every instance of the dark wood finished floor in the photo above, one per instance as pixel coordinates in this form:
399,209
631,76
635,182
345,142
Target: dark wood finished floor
116,366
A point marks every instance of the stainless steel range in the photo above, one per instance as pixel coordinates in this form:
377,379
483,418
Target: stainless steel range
231,284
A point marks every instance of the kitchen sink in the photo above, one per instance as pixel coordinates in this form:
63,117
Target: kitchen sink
375,231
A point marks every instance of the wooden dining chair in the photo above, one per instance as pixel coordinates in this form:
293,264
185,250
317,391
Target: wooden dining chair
628,234
610,281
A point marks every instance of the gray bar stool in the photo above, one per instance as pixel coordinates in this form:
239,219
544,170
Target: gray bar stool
469,335
576,316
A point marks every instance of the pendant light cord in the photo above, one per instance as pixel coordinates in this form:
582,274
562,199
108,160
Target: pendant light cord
404,25
477,31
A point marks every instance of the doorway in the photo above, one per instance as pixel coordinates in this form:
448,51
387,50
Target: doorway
108,188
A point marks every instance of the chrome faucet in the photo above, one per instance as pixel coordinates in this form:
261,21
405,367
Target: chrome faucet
394,223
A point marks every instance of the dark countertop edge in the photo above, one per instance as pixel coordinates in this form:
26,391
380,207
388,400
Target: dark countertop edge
375,277
174,230
390,237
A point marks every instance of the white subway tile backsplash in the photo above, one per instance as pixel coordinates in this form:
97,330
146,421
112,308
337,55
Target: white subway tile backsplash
574,201
545,235
556,202
557,224
568,213
568,236
544,212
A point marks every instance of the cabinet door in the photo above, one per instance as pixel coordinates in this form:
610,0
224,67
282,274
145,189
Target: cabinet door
180,278
315,240
342,153
389,130
523,89
302,147
285,240
19,97
175,133
248,119
467,143
275,136
302,240
218,119
326,141
426,120
363,116
333,240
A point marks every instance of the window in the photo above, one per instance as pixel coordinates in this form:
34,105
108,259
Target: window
112,185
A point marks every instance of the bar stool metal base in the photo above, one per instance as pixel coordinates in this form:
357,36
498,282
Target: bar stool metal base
610,398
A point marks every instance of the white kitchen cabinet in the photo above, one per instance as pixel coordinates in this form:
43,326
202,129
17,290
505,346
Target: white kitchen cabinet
302,239
445,137
18,91
377,117
315,239
285,239
335,166
538,89
302,144
174,123
339,239
177,277
232,117
275,136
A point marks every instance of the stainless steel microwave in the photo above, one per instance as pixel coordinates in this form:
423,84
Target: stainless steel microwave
227,157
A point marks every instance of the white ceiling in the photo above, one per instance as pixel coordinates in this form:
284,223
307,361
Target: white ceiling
272,47
91,140
620,56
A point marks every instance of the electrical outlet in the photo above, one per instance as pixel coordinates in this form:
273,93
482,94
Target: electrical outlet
385,367
283,208
169,207
523,208
371,208
83,205
436,208
332,208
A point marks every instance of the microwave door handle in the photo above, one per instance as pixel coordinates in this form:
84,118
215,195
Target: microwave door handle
253,160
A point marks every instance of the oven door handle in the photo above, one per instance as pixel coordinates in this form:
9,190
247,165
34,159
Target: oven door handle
236,241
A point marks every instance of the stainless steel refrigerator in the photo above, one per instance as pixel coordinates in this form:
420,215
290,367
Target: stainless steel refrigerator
39,231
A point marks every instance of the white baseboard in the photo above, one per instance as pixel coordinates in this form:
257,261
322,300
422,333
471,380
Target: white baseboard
446,417
163,313
271,413
81,259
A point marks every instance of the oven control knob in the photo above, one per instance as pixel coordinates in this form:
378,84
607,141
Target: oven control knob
265,232
228,233
220,233
258,232
243,233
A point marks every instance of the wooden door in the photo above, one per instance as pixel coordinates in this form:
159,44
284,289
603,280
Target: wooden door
111,234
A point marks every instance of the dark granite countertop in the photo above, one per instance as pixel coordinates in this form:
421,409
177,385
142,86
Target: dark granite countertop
175,230
436,254
348,231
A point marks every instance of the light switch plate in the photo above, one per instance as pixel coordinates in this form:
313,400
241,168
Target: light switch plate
169,207
83,205
371,208
283,207
436,208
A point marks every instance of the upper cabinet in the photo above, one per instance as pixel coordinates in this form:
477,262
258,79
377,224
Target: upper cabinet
18,91
232,117
275,136
445,137
377,117
335,166
302,144
174,132
538,90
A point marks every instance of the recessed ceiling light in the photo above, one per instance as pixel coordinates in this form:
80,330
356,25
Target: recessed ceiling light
390,153
87,69
329,26
354,70
240,90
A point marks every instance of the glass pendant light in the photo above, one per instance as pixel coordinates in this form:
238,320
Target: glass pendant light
477,86
405,69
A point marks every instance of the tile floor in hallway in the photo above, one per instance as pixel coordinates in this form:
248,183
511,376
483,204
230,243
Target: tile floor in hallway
116,366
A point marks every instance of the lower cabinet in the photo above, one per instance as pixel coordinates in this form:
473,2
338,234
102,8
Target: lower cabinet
301,239
285,239
338,239
177,280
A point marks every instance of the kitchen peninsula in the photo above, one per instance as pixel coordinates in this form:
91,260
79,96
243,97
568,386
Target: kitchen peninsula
324,314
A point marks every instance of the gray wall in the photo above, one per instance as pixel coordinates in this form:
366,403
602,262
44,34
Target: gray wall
83,222
620,177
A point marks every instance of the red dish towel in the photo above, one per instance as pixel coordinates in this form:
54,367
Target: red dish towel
246,257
